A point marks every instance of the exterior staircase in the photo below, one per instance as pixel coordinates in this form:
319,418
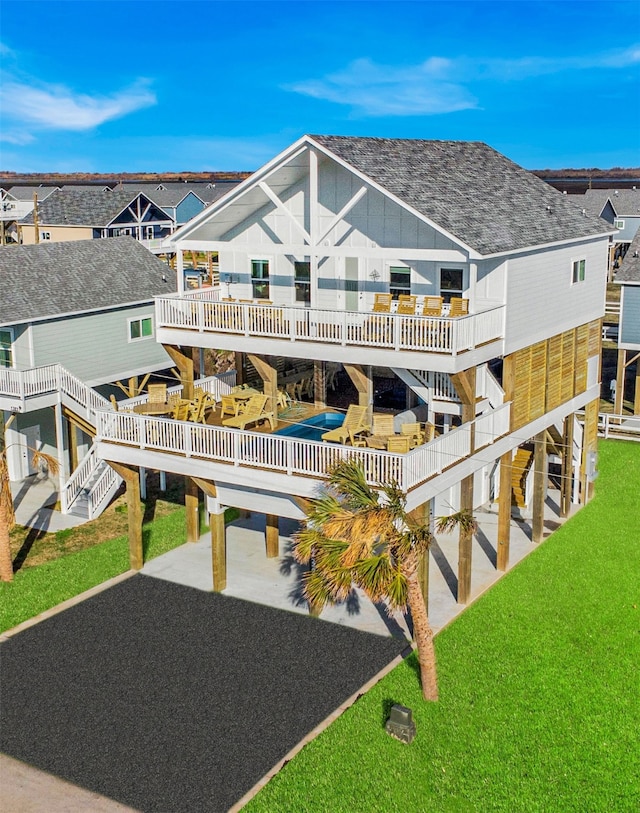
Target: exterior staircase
521,467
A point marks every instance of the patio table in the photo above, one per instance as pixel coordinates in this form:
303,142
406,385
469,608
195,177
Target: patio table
153,408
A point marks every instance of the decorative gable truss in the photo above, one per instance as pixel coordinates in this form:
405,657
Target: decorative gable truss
141,219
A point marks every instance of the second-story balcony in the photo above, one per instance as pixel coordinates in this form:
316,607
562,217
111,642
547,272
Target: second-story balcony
443,343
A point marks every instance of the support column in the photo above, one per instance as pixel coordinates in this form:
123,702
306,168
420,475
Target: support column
589,446
73,445
191,508
239,366
465,542
566,481
218,550
272,536
319,384
269,375
134,511
620,376
184,363
539,481
504,511
62,460
636,396
363,382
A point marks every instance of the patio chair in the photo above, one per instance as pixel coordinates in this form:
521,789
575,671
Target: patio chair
407,304
229,406
414,432
199,406
253,413
181,410
432,306
382,303
157,393
382,429
458,306
355,421
398,444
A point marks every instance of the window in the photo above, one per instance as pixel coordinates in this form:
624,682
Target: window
578,269
148,232
399,281
302,280
619,224
260,279
6,351
450,283
141,328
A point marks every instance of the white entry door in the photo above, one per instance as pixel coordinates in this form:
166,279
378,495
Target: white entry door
30,443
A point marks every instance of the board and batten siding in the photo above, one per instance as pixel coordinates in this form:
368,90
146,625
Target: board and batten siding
541,299
375,221
96,347
630,318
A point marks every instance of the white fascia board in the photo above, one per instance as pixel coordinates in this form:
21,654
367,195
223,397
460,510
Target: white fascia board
473,254
230,197
342,354
569,241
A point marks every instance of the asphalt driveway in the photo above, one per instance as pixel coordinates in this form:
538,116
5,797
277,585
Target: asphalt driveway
167,698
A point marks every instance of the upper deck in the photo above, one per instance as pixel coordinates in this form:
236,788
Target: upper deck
202,319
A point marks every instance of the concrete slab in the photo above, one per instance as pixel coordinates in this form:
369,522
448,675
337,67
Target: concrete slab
34,500
277,582
27,790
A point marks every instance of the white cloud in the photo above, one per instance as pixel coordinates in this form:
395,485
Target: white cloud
57,107
440,85
382,90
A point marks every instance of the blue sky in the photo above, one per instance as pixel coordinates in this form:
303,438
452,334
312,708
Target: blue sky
157,85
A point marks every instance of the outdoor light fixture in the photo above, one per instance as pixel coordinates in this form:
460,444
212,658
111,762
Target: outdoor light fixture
400,724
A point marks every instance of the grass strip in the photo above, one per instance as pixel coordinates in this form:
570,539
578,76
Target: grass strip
39,588
539,688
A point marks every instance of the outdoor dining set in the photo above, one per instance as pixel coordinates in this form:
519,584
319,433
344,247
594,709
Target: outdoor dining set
356,430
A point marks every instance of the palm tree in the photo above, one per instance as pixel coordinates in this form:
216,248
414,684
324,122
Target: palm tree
7,515
352,537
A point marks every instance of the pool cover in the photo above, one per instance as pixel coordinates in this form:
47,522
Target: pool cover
167,698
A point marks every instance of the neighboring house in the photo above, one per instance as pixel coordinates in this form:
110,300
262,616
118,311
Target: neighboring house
74,316
304,246
16,204
89,215
621,208
628,277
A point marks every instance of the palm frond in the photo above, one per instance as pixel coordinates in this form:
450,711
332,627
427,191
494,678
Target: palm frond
317,590
462,520
374,575
347,479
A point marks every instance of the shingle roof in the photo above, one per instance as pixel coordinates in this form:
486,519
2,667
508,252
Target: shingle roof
629,270
625,202
478,195
52,279
26,192
70,208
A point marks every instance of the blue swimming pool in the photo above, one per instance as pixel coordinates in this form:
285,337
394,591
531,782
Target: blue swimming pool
313,428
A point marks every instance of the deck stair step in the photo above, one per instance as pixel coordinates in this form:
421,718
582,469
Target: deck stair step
520,469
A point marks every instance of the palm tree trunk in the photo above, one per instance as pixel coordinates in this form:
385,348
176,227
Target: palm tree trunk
423,635
6,522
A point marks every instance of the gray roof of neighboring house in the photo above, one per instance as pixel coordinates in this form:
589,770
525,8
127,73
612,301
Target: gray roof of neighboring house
86,187
26,192
221,188
176,192
70,208
625,202
478,195
53,279
629,270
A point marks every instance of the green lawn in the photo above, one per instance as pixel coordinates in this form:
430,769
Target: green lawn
36,589
539,689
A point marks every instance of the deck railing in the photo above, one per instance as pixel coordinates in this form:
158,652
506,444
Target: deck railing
347,328
295,456
23,384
